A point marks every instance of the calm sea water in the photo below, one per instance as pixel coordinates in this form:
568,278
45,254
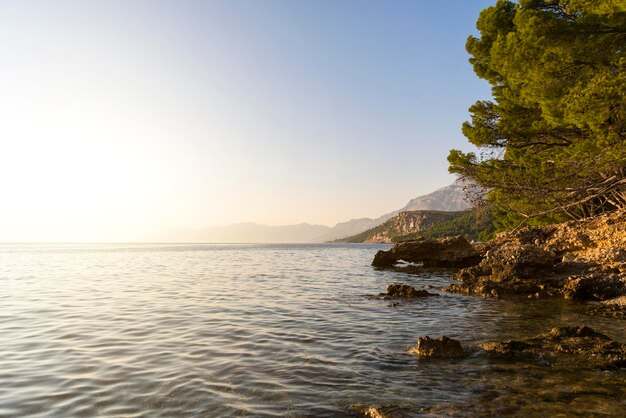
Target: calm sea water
263,330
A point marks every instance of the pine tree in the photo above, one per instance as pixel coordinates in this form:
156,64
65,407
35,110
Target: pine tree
552,143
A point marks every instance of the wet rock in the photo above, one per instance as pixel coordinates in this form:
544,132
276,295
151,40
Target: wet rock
508,270
620,301
594,286
473,283
612,308
368,411
444,252
405,291
442,347
388,411
384,259
532,390
575,347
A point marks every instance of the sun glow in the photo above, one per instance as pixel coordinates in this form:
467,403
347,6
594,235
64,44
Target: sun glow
121,120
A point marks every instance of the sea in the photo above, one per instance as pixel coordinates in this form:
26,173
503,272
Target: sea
210,330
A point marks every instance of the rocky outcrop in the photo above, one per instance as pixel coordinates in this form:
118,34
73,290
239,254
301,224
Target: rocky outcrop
446,199
403,224
512,261
442,347
508,269
405,291
577,347
445,252
406,223
576,260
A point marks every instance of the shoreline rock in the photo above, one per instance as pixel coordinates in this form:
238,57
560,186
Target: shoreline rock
405,291
385,411
575,260
567,347
572,347
442,347
452,252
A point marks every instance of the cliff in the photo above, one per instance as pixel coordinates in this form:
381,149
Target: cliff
404,224
451,198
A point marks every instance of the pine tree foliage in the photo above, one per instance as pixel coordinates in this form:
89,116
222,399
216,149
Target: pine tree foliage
552,143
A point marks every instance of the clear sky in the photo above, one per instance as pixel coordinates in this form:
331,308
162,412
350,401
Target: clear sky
120,119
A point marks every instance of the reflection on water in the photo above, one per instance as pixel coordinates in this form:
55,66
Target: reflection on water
262,330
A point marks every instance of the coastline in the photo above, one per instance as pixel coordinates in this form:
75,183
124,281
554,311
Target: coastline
583,262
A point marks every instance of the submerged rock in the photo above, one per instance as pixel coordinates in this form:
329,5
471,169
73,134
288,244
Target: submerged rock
576,347
443,347
443,252
388,411
612,308
405,291
620,301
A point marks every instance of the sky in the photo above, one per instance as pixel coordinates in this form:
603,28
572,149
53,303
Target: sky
121,119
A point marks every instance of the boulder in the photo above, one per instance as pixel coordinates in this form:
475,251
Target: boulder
571,347
405,291
594,286
383,259
444,252
510,269
442,347
518,261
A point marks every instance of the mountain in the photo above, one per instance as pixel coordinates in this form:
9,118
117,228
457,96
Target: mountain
249,233
404,224
451,198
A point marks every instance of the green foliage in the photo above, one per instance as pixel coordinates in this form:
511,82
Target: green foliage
394,227
552,144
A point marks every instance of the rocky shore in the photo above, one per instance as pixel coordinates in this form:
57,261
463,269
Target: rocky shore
576,260
571,347
579,349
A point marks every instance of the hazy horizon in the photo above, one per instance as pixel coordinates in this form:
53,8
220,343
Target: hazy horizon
125,119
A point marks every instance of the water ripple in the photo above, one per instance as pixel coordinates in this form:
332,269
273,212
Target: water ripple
242,330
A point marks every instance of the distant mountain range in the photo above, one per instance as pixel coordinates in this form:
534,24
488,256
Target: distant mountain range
249,232
450,198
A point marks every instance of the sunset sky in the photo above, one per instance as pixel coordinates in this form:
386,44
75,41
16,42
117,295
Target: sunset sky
120,119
